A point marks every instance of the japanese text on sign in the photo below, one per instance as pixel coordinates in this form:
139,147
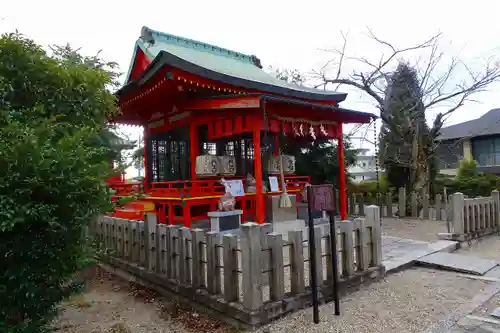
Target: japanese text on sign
321,198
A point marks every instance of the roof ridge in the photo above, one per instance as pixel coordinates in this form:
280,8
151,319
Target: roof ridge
148,35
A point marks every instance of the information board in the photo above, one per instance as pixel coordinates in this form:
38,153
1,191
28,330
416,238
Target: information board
321,198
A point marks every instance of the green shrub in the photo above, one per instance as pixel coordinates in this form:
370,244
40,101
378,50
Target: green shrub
52,112
470,181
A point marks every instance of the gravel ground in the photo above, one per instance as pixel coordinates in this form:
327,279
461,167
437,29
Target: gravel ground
408,301
418,229
110,305
486,248
467,324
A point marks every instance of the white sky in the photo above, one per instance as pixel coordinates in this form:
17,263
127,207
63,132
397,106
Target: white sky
281,33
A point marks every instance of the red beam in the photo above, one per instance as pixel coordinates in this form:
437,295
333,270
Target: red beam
243,102
342,184
259,196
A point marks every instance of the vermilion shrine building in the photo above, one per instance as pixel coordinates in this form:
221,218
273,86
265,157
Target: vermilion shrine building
208,113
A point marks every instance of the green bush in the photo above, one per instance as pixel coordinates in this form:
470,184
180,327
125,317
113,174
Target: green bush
52,112
470,181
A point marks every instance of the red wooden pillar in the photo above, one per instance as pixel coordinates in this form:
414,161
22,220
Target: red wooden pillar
259,196
342,183
146,175
194,148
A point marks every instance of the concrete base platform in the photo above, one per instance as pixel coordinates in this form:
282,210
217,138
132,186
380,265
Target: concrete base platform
458,263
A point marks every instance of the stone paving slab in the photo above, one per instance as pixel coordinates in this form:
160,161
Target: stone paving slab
457,262
401,253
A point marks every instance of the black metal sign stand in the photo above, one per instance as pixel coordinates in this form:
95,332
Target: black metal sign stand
322,203
312,258
333,237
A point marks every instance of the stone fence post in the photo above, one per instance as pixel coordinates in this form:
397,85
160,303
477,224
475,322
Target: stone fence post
457,207
496,208
402,202
373,220
251,262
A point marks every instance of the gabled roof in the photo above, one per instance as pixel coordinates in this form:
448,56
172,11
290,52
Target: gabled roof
487,124
215,63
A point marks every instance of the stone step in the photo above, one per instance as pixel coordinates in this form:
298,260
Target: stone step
457,262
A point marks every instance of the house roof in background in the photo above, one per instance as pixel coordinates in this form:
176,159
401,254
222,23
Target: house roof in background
487,124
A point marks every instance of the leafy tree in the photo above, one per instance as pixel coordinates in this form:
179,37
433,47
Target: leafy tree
446,81
403,147
108,137
52,113
318,158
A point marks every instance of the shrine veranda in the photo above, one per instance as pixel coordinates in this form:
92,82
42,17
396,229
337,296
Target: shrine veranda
210,113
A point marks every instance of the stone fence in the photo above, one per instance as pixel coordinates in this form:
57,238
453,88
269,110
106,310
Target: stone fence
423,206
473,217
247,279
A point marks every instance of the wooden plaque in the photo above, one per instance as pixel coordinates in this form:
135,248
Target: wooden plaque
321,198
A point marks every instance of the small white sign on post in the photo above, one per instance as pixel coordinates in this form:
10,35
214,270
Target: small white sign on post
273,184
235,187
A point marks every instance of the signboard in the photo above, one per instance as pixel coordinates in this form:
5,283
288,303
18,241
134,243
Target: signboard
273,184
322,198
235,187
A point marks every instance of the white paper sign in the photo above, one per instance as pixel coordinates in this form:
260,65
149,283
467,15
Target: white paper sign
273,184
235,187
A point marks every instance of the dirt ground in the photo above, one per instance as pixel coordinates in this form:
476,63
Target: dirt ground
111,305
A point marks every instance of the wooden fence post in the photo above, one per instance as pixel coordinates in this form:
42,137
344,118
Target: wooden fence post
251,265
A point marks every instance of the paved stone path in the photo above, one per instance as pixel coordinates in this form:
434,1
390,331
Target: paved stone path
458,263
400,253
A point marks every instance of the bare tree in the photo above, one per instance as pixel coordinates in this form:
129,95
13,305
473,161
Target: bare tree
446,82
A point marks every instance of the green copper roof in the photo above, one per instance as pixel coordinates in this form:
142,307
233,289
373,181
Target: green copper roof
220,64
